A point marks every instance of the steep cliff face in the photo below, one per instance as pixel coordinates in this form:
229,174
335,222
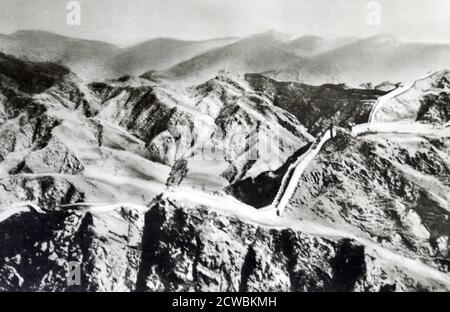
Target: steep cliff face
40,249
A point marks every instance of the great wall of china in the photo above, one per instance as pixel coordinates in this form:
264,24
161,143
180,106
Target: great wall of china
291,179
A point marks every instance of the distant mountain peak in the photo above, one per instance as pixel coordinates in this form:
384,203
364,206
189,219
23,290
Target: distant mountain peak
382,38
31,33
271,35
308,38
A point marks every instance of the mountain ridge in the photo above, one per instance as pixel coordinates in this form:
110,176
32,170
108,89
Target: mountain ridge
309,59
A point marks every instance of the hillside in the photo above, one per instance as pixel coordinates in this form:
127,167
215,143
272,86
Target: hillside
374,59
87,58
258,53
159,54
392,189
317,107
98,60
427,100
310,46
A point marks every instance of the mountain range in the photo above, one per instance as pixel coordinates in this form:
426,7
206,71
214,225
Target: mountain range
132,178
308,59
158,167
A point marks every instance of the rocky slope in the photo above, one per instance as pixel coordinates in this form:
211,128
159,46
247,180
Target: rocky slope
427,101
42,104
221,124
316,107
393,189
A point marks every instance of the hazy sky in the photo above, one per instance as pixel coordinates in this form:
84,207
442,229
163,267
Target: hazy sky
129,21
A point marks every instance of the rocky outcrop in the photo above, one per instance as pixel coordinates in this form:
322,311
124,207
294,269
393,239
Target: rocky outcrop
46,191
40,250
435,109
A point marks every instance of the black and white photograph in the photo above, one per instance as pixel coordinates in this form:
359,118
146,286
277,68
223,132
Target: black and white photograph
226,146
